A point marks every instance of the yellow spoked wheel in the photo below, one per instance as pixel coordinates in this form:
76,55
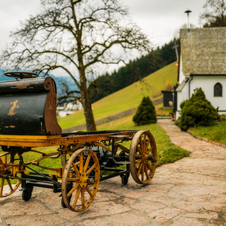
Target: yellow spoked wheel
80,180
143,157
7,185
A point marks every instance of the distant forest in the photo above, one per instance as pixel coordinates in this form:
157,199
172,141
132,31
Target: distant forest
132,72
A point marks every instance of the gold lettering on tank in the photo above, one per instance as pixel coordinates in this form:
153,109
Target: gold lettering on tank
11,111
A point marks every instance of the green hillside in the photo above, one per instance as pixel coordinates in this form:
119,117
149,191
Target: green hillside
126,98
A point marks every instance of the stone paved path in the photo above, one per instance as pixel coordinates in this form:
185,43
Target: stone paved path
190,192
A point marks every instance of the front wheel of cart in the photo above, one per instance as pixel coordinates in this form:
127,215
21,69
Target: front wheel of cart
143,157
125,179
27,193
82,175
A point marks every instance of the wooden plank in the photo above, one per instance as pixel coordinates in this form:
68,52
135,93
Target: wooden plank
45,141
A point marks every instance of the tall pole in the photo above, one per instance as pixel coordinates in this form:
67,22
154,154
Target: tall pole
188,11
175,47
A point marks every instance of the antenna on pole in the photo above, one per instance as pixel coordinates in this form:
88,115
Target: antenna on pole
188,11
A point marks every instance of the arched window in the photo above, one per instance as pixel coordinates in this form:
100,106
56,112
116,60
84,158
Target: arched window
218,90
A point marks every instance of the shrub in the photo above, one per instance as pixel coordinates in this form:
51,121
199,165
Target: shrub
223,117
196,111
145,113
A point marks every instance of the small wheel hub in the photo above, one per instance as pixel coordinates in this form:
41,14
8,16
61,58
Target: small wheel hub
83,180
144,157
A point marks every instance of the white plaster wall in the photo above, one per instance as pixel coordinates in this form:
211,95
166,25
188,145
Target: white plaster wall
179,100
183,95
207,84
181,77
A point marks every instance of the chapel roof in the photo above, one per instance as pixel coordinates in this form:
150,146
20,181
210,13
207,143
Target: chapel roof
203,50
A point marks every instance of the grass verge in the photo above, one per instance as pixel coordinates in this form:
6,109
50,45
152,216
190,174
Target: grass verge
215,132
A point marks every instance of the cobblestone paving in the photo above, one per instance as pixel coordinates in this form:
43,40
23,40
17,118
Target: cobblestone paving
191,191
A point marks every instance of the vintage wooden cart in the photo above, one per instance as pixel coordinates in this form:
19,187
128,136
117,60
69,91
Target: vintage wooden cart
28,121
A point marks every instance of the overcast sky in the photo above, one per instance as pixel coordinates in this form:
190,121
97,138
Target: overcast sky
162,19
159,19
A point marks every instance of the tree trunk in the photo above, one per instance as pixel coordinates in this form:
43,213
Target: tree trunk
90,123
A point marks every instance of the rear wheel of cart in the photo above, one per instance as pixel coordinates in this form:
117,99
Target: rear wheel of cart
7,185
77,175
143,157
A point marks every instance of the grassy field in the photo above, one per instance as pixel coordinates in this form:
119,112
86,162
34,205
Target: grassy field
215,132
126,98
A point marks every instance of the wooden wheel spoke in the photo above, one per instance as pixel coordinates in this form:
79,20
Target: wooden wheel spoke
140,150
2,185
144,141
76,197
83,198
9,183
76,169
142,173
149,166
137,163
91,169
72,190
1,161
81,163
146,171
88,190
73,179
87,162
140,168
150,150
137,156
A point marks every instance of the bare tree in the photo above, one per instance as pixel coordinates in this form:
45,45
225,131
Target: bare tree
66,95
214,14
74,34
